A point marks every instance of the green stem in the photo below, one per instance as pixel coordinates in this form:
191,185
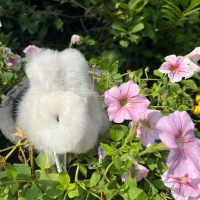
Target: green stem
23,155
105,173
8,148
76,174
160,83
89,191
132,132
32,161
157,147
14,148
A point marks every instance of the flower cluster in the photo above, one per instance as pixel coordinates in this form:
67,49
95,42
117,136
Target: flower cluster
175,131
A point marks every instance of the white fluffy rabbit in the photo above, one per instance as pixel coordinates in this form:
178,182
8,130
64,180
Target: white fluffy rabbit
60,112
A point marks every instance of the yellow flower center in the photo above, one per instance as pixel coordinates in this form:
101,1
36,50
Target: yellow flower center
173,69
123,102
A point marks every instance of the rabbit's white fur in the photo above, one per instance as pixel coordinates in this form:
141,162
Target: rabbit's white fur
60,112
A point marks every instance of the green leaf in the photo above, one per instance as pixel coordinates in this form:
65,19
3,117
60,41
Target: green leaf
42,161
108,149
150,163
113,69
116,133
142,196
83,170
73,193
193,4
117,162
11,172
14,188
95,179
117,77
23,171
124,43
64,178
104,63
137,28
2,174
189,84
48,183
32,193
184,3
157,73
158,184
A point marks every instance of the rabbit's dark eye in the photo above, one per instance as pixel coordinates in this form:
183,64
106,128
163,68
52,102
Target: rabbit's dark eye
57,118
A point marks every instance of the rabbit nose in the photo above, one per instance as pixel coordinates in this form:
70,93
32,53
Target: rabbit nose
57,118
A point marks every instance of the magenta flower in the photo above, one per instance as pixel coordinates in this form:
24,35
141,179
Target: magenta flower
176,68
141,172
125,102
193,58
30,49
182,188
177,134
147,131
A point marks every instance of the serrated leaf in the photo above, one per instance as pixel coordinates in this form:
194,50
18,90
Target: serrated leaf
11,172
95,179
42,161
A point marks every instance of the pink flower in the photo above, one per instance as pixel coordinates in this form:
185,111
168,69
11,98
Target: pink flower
184,187
193,58
75,39
176,68
140,172
13,61
125,102
147,131
177,134
30,49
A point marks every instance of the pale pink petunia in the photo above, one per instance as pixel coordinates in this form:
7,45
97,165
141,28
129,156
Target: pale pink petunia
177,134
125,102
184,187
31,49
75,39
0,24
193,58
176,68
140,172
12,61
147,131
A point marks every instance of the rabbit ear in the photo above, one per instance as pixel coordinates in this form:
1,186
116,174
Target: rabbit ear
42,69
74,71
